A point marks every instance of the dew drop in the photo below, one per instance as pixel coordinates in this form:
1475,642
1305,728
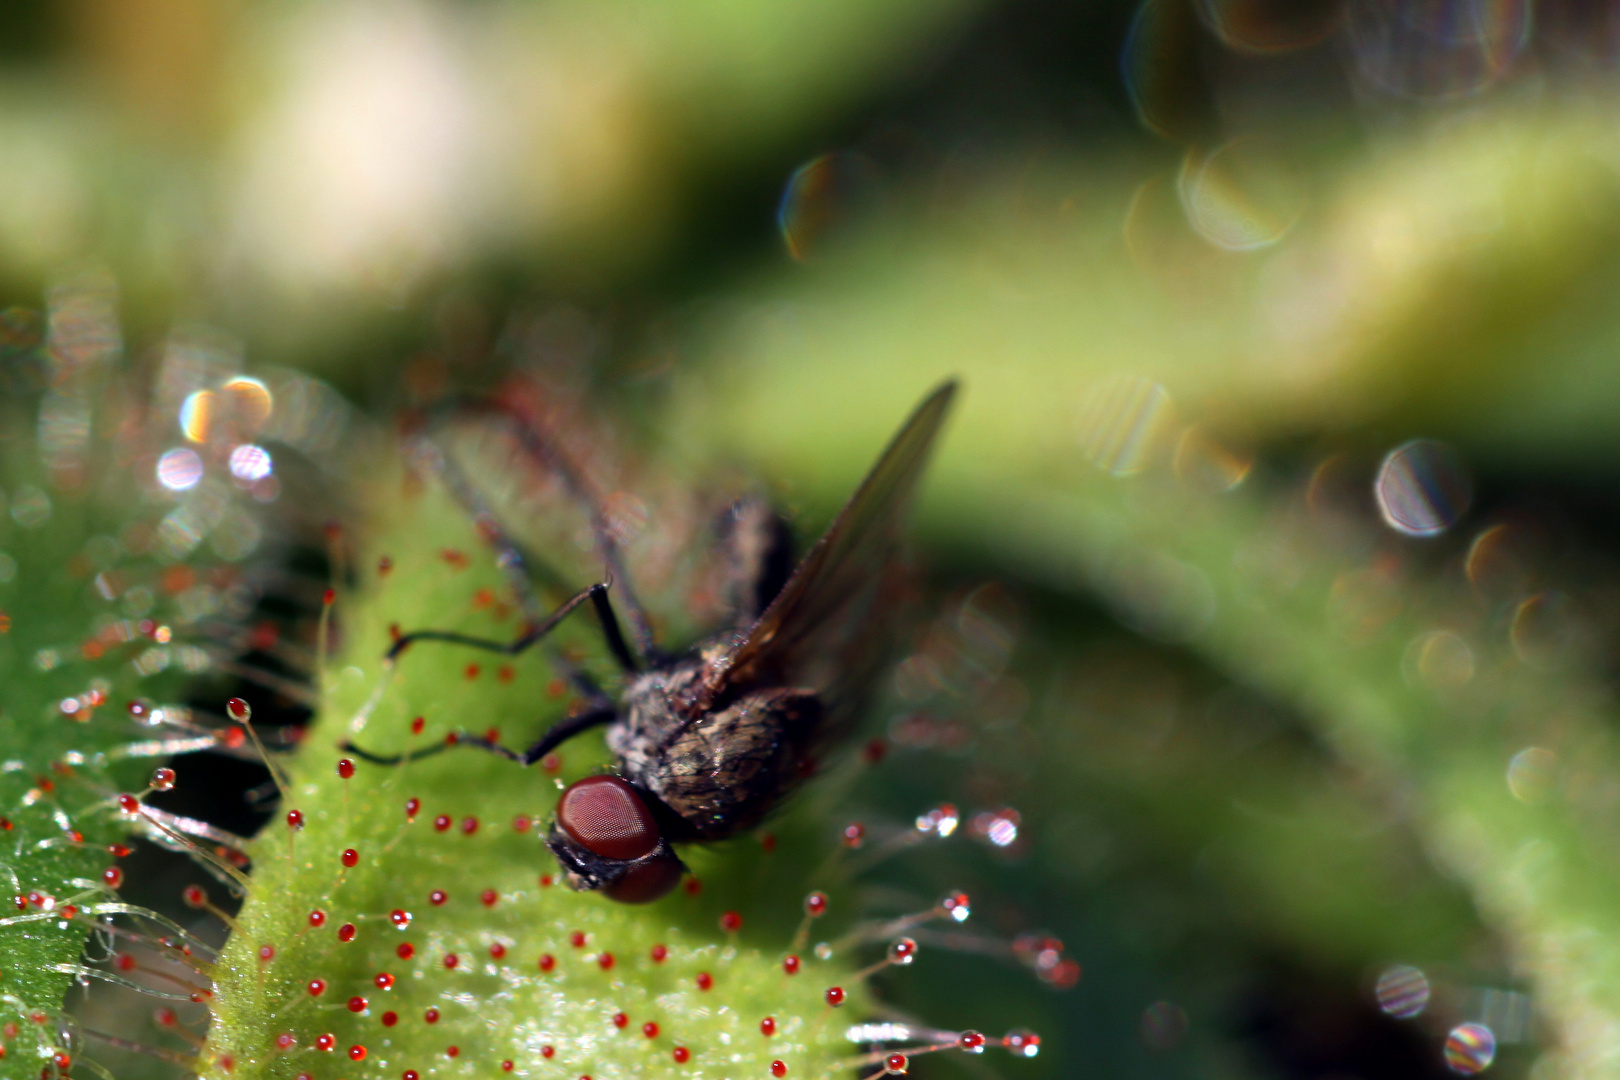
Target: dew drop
957,906
1022,1042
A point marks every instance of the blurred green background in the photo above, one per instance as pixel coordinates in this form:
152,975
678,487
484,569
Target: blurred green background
1273,551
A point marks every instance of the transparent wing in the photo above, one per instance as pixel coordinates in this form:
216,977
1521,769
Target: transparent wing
827,629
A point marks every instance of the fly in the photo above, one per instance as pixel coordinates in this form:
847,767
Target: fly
707,742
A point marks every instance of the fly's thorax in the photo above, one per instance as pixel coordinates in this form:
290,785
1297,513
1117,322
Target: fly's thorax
649,715
723,771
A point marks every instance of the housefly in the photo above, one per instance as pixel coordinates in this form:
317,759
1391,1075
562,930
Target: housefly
707,742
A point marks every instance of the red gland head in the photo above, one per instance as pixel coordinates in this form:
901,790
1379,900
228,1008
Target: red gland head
607,817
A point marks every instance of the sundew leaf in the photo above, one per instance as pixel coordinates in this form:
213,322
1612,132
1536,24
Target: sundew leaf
450,947
100,607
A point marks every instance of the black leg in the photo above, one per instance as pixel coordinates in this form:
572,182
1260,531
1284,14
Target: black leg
532,441
596,594
554,737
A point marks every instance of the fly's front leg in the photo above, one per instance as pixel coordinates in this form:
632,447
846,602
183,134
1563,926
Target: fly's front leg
554,737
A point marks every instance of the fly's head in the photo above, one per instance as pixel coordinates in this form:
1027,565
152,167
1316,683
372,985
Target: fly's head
607,840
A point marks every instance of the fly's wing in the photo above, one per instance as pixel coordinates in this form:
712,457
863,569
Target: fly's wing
827,629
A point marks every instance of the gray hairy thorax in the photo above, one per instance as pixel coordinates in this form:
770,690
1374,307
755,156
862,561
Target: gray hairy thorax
720,770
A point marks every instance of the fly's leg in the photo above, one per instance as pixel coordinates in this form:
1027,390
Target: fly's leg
598,596
599,710
554,737
531,439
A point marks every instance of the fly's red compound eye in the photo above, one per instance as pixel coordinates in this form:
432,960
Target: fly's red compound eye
605,816
648,882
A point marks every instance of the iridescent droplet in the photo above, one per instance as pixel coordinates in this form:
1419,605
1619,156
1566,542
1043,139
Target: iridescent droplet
1270,26
249,462
1544,631
1159,64
1164,1025
1436,49
1422,488
251,402
179,469
1242,196
1123,423
1440,660
1531,774
1470,1049
821,195
197,415
1206,463
1402,991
